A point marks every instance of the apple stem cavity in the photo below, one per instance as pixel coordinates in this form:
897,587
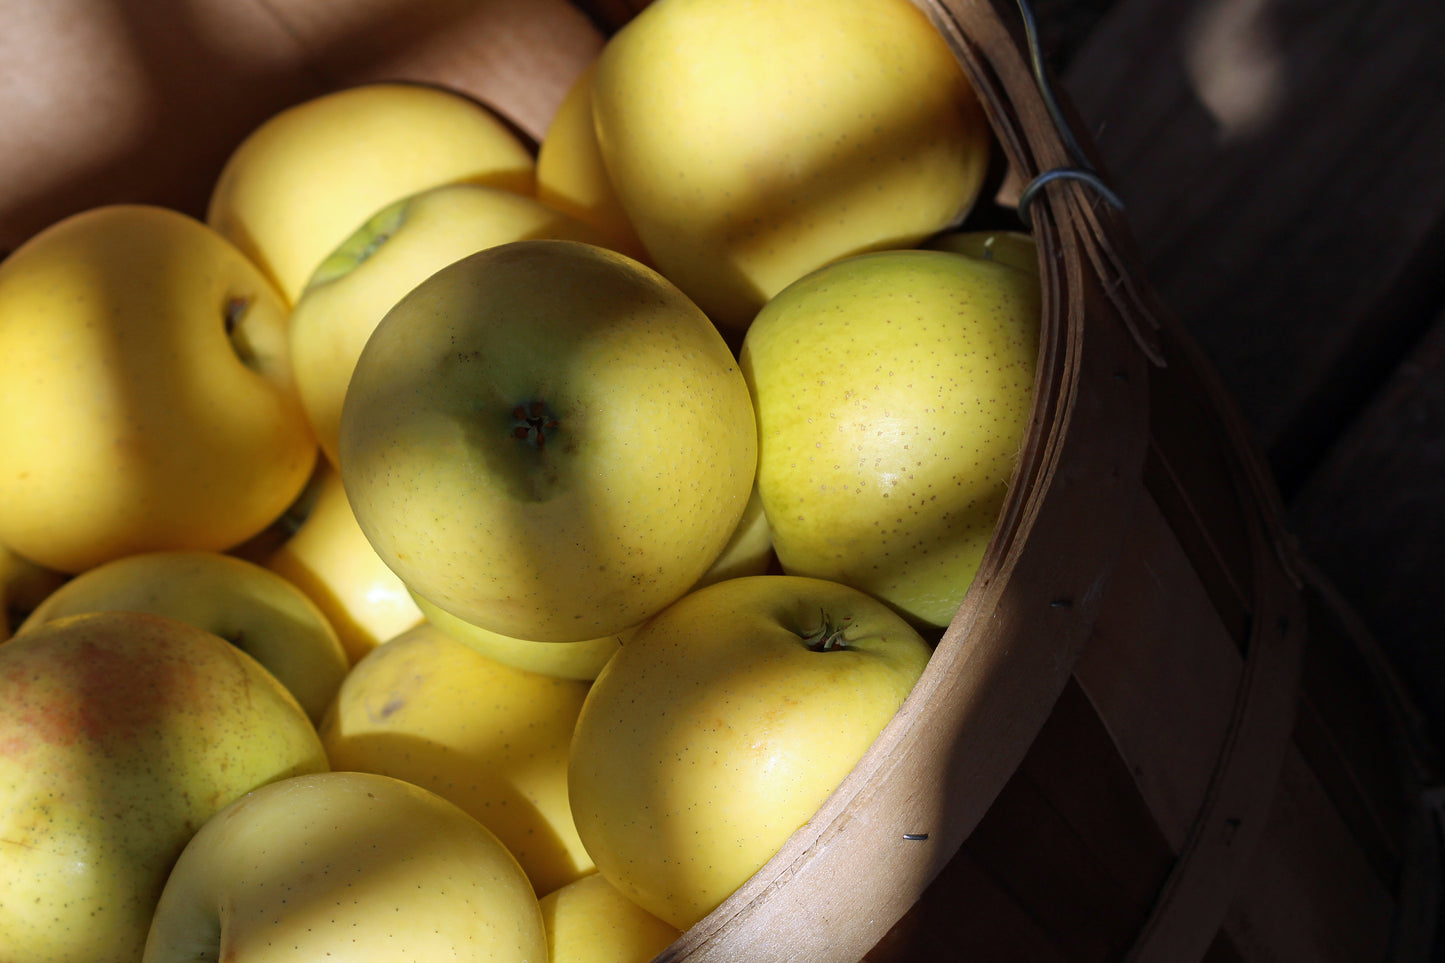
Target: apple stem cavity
533,423
828,637
233,312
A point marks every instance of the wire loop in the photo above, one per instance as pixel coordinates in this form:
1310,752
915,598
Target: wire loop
1085,174
1081,170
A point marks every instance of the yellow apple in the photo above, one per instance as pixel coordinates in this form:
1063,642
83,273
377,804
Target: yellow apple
328,557
721,727
1014,248
23,586
251,607
750,141
571,176
748,552
306,178
347,866
549,440
394,251
580,660
750,549
146,399
490,738
589,921
893,392
121,733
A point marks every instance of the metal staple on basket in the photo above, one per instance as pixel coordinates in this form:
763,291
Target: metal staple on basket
1082,170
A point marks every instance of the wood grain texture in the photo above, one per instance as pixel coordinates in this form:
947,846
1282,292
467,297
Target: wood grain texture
143,100
1280,162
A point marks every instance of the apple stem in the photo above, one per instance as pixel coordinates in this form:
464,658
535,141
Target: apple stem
827,637
533,422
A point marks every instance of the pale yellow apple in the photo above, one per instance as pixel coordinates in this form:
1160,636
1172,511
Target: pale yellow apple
23,586
1015,248
571,176
253,608
750,141
121,733
328,557
307,177
549,440
748,552
590,921
345,866
490,738
563,660
146,399
394,251
721,727
893,392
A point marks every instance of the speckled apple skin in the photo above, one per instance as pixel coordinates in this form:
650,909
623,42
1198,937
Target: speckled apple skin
346,866
717,731
893,392
749,141
489,737
646,468
252,607
590,921
120,735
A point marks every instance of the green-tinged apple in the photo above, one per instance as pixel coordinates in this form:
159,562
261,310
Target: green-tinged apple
253,608
23,586
328,557
571,176
490,738
549,440
748,552
395,250
146,398
1014,248
893,393
346,866
121,734
580,660
590,921
307,177
723,725
750,142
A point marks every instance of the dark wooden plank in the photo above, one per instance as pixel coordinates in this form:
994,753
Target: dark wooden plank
1371,518
1282,162
1281,165
1310,894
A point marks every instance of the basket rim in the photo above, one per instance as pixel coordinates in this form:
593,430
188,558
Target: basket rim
1088,433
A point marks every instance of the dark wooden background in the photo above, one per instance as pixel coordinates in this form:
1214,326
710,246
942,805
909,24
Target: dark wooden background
1283,167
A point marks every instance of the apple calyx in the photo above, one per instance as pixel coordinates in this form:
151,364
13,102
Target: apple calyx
533,423
828,637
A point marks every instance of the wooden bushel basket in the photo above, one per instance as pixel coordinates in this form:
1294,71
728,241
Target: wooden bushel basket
1149,734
